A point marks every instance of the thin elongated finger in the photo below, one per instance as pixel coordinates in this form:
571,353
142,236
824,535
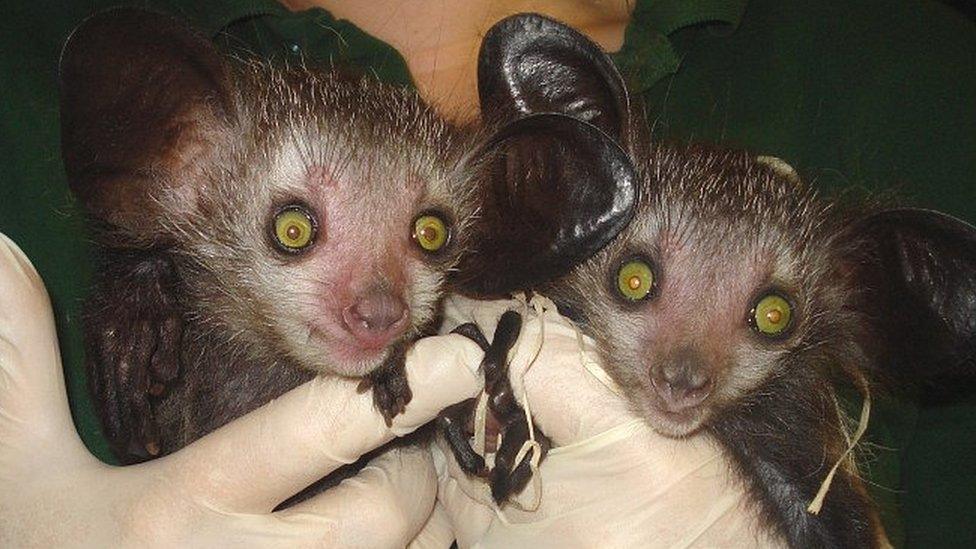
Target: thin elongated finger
384,505
261,459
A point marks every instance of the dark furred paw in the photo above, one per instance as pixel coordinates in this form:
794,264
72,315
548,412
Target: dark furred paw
133,330
452,422
506,477
391,392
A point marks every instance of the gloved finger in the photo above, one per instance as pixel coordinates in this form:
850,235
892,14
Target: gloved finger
384,505
34,412
437,532
259,460
464,501
459,310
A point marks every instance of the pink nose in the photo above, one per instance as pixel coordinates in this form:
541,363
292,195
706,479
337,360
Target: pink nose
682,381
376,318
680,395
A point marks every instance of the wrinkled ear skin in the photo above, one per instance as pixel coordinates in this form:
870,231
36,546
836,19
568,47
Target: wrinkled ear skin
921,275
532,64
559,190
141,96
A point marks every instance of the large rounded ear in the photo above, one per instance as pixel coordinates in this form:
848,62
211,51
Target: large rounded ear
145,102
532,64
558,190
921,276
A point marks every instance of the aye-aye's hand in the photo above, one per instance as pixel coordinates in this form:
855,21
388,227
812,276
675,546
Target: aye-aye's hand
609,481
220,490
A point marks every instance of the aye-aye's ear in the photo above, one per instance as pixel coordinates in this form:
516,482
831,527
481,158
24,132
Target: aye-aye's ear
532,64
559,190
144,102
922,274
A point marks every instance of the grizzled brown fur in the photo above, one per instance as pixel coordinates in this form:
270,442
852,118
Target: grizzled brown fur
183,157
720,228
873,292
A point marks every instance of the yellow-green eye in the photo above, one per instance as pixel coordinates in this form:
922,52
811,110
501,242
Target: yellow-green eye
294,228
772,315
635,280
430,232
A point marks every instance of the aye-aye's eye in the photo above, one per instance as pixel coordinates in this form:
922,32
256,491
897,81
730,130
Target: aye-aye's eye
294,228
771,315
635,280
430,232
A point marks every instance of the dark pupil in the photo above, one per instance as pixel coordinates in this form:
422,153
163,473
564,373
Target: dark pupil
429,233
293,232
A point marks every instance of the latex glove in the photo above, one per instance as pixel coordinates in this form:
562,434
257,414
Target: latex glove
220,490
609,481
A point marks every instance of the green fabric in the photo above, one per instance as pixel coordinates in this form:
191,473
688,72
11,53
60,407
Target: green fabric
669,16
873,95
35,209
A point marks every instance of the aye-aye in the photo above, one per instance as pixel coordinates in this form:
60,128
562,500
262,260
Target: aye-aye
737,294
258,226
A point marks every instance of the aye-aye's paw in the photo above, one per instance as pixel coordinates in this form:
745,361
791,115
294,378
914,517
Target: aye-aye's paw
133,333
391,391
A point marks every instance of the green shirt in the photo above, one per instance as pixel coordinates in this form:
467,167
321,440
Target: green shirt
877,95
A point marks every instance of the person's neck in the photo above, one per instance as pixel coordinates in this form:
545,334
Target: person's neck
439,39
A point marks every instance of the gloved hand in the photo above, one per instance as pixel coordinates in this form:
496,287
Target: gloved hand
220,490
609,481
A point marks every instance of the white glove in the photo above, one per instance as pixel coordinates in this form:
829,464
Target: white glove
609,481
220,490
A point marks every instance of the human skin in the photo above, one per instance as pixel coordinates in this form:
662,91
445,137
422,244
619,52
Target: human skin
439,41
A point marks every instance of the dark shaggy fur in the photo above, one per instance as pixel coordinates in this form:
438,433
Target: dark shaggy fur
215,301
719,227
184,158
723,232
